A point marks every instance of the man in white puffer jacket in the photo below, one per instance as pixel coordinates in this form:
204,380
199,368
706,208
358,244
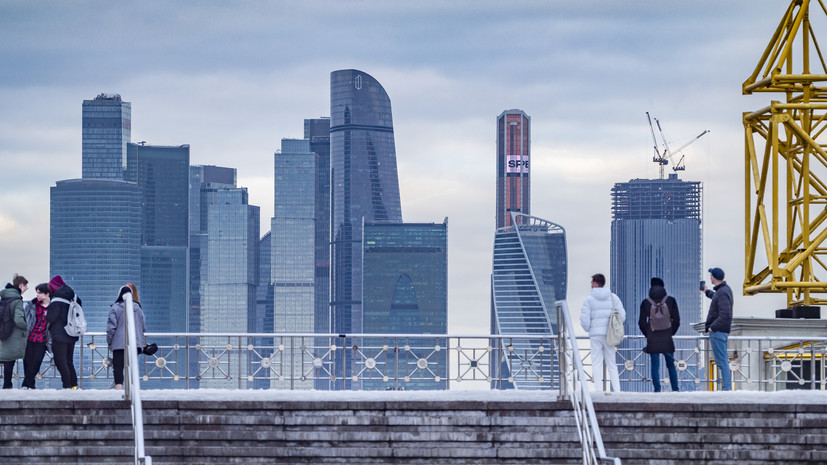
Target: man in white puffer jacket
594,317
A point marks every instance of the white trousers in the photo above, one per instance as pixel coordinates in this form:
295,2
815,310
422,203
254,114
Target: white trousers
603,353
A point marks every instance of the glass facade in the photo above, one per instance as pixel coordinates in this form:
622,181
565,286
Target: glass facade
293,229
406,292
162,174
107,128
225,251
364,185
203,179
530,273
513,158
317,131
656,231
94,240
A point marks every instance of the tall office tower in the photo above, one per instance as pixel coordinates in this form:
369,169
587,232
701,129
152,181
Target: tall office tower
656,231
228,271
513,157
317,131
530,274
95,241
107,128
293,255
364,185
162,174
406,292
203,179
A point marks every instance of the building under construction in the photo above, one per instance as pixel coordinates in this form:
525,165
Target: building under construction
656,231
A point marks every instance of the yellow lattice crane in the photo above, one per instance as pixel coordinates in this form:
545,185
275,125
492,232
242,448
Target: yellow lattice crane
786,165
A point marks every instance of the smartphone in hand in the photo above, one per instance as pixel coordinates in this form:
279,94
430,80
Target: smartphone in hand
702,285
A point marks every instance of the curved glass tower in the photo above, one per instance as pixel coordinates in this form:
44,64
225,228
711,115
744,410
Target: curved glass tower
529,275
363,183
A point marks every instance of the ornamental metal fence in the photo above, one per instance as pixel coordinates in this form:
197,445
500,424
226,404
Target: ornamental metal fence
421,362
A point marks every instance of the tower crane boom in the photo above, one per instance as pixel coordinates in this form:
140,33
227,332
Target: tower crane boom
668,155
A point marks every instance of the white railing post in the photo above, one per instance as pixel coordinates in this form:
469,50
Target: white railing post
581,399
132,388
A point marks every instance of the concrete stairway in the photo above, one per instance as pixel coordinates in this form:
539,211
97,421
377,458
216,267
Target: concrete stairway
715,433
452,432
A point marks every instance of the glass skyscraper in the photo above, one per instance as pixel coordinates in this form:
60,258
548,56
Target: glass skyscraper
203,179
317,131
406,292
162,174
513,157
656,232
530,273
95,241
227,261
364,185
293,232
107,128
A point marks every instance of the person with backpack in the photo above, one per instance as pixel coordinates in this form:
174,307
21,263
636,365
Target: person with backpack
594,317
659,320
63,345
115,333
39,340
13,327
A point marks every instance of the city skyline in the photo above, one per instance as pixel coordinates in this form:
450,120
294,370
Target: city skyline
684,62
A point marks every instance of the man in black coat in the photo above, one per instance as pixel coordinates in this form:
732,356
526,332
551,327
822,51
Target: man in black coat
660,341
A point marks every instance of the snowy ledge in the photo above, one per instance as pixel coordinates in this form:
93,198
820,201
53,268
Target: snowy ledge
735,397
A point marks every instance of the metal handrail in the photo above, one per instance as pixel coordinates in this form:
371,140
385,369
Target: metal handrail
132,388
577,390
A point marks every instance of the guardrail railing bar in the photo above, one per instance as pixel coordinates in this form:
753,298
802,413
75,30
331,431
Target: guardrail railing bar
581,398
132,390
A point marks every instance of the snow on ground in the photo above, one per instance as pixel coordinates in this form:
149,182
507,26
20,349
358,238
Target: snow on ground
735,397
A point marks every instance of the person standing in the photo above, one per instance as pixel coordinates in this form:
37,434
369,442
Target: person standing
115,334
39,339
63,345
14,347
594,317
659,341
719,322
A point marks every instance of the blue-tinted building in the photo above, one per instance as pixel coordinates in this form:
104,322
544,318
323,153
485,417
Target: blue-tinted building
530,272
107,128
364,185
317,131
293,233
227,243
203,179
265,292
162,175
656,231
406,292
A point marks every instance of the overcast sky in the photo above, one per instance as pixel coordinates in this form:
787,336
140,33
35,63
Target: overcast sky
233,78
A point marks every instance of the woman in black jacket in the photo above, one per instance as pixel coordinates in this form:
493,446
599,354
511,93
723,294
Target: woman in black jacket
660,341
63,345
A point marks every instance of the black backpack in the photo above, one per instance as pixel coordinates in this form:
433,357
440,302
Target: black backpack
7,317
659,317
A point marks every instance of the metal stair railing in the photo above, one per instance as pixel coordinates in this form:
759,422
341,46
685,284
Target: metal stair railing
132,385
574,386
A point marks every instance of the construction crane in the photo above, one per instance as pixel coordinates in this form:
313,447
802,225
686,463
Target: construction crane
667,156
786,163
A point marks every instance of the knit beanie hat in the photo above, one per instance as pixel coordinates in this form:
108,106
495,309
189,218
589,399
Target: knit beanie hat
656,282
55,283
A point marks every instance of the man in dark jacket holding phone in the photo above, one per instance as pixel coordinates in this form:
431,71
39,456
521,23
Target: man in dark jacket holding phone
719,322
